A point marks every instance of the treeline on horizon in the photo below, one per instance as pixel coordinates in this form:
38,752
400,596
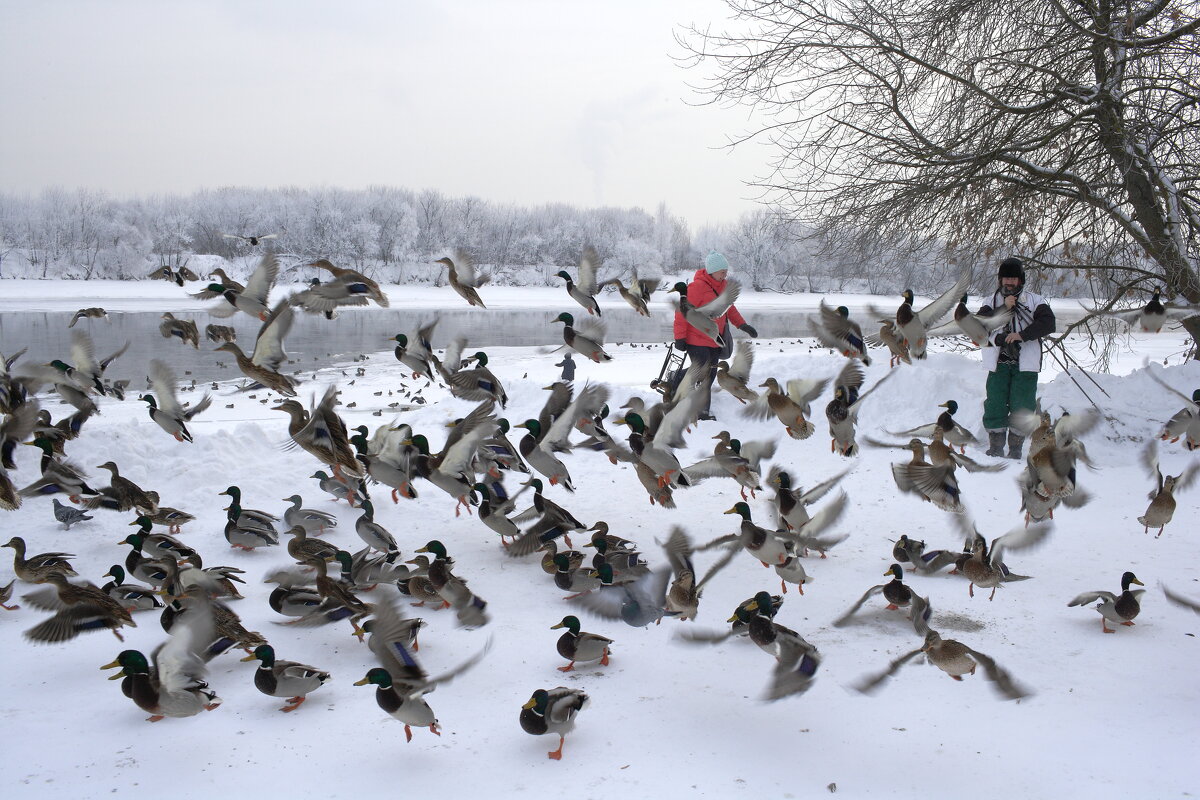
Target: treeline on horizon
395,234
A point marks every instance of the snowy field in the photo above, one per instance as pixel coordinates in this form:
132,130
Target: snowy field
1109,716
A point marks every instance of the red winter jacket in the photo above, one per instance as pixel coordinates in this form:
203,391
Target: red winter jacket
701,290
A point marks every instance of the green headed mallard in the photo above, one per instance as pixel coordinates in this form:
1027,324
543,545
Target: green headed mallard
553,711
285,678
1120,609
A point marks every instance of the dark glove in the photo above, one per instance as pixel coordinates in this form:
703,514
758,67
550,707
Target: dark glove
681,344
999,340
749,330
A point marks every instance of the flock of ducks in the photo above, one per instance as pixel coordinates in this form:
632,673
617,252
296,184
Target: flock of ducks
486,474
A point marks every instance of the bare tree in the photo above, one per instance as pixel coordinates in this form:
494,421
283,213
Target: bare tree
1065,131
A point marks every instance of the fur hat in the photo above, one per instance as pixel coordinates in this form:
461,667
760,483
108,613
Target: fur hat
1011,268
715,262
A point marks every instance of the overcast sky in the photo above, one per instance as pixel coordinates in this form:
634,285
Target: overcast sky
524,102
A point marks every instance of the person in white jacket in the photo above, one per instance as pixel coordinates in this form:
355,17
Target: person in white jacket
1015,361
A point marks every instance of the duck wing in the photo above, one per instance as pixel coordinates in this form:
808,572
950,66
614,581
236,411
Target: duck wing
268,345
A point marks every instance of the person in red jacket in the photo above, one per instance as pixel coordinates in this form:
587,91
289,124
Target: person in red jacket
706,284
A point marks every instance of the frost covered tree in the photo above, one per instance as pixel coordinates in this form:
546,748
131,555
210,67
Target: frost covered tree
1064,131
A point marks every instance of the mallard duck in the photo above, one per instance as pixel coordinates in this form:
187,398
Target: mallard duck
577,646
1054,448
337,489
294,600
372,533
183,329
176,276
792,408
933,483
252,240
639,291
734,376
842,410
464,278
626,562
495,518
310,519
636,602
285,678
889,337
552,521
550,548
683,595
416,351
129,595
161,545
38,568
153,572
303,549
348,288
469,609
122,494
78,607
1116,609
338,601
791,503
175,685
572,577
323,434
796,660
248,528
57,476
94,312
219,334
942,454
1151,317
450,470
837,331
1162,497
584,290
658,453
1186,422
731,459
588,341
541,458
417,585
953,432
405,632
400,682
906,550
173,518
252,299
703,318
262,365
6,593
913,326
955,659
895,592
977,329
985,568
553,711
167,412
759,542
478,383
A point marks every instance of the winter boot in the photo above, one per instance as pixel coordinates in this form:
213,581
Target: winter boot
1015,442
995,444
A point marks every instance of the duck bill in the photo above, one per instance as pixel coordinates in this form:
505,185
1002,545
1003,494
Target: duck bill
363,682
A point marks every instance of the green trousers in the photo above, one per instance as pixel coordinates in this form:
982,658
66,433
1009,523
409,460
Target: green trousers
1007,390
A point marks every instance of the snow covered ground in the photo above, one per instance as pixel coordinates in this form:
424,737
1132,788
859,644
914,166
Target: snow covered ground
1109,716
